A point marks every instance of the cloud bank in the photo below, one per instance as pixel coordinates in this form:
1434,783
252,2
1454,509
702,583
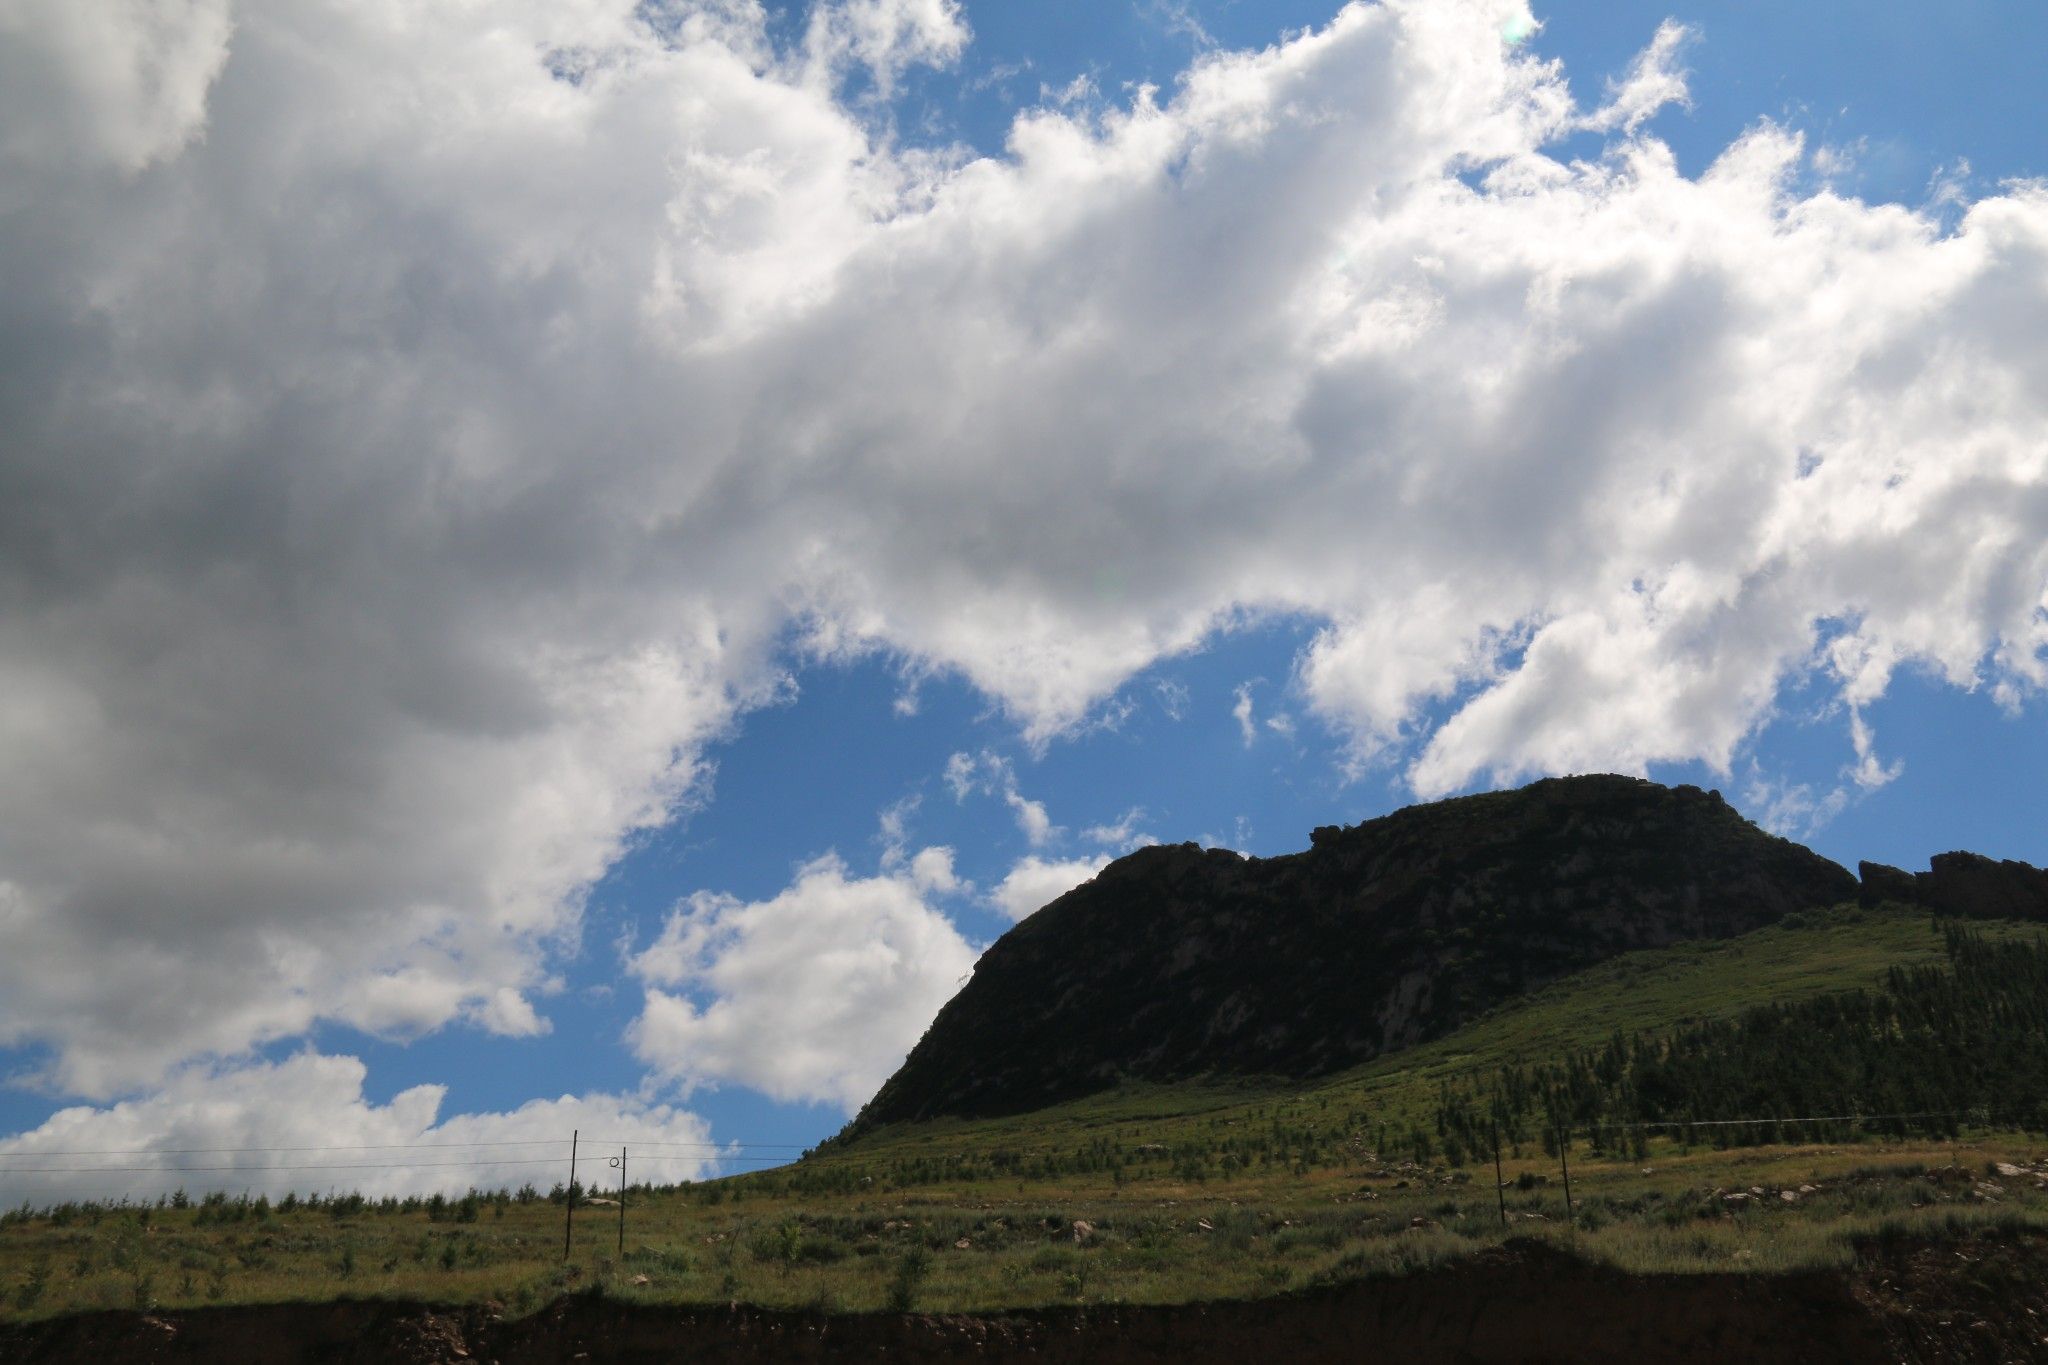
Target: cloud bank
422,430
304,1125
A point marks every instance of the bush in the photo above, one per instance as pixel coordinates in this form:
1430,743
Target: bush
1319,1236
911,1273
30,1292
790,1243
1236,1227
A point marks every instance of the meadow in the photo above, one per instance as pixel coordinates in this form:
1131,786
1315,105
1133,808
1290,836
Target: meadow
1142,1195
984,1245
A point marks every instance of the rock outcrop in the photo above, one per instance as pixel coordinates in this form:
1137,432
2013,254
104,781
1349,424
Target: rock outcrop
1179,961
1962,886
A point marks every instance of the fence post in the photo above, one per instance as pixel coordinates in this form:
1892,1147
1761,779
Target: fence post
1564,1139
1499,1181
569,1218
622,1202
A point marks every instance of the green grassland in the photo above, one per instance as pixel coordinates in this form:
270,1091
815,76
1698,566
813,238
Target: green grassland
1819,953
970,1247
1143,1195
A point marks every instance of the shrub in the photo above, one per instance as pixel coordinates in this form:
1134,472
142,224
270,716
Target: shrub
30,1292
911,1273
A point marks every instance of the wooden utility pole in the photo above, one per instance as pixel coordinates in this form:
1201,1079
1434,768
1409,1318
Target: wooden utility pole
1500,1183
569,1219
622,1203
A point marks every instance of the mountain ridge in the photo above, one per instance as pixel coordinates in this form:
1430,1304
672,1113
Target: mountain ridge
1176,961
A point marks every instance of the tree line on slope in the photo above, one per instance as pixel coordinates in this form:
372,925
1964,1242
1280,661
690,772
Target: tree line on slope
1923,1051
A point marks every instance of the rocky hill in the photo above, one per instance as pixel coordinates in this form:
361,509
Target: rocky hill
1962,886
1178,962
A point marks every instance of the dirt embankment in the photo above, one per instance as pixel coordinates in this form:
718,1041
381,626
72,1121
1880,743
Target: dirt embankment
1963,1302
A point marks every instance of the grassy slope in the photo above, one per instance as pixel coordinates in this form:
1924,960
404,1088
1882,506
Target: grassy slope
1829,951
1158,1235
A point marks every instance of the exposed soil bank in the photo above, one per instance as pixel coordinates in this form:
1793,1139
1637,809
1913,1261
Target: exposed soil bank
1965,1302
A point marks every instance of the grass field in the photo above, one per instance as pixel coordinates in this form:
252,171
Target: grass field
973,1247
1146,1195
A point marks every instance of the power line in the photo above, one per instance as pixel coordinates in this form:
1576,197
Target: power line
1813,1118
260,1170
332,1147
711,1147
244,1169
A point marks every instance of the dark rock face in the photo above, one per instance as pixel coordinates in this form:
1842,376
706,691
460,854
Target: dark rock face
1177,962
1962,885
1883,883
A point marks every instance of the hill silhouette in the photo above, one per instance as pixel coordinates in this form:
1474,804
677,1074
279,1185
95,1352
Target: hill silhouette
1177,961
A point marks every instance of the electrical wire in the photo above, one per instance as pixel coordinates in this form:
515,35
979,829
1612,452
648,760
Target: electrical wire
332,1147
712,1147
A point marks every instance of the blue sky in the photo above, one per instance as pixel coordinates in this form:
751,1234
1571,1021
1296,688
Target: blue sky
618,603
1922,91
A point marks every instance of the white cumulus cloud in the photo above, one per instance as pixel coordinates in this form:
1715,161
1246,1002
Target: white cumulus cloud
1122,833
423,423
115,83
1033,883
1241,712
304,1124
990,774
815,994
885,36
1654,80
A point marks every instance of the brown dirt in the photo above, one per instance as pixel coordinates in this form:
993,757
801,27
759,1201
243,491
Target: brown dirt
1972,1301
